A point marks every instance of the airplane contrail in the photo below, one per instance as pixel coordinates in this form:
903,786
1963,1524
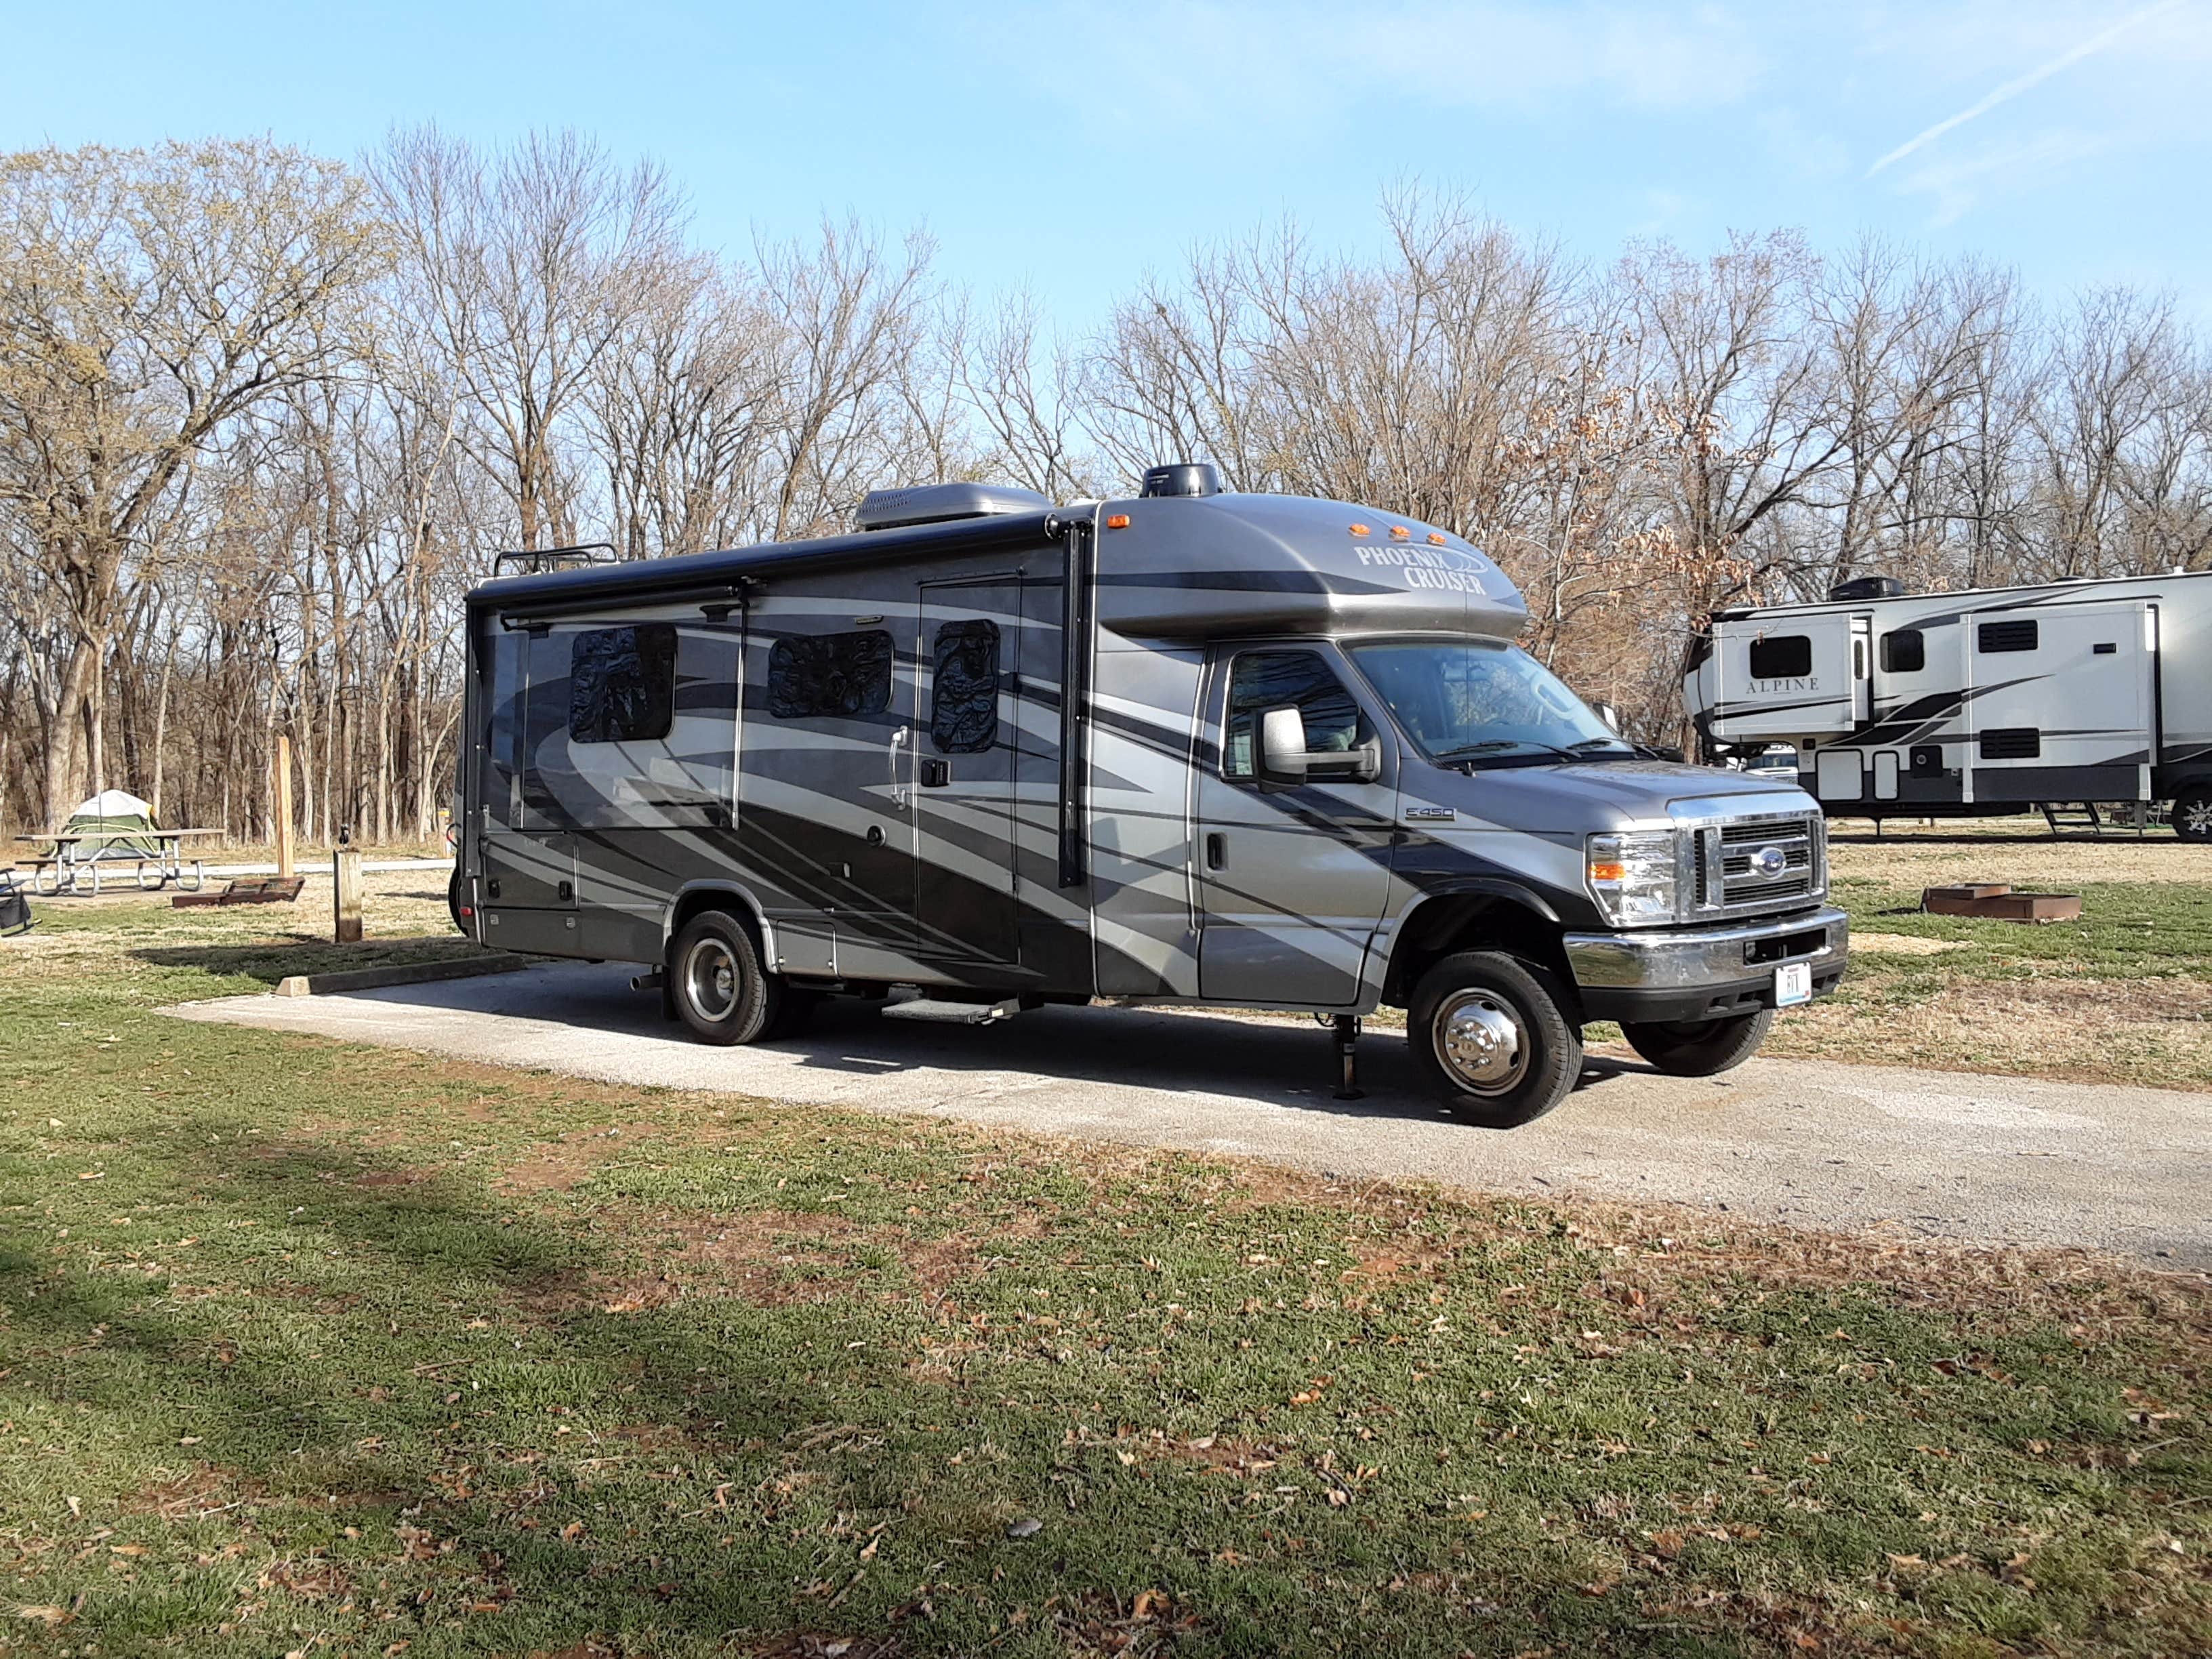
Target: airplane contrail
2096,42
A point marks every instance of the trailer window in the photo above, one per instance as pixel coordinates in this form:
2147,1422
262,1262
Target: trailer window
1782,657
2006,636
964,688
1905,652
1278,679
622,683
829,675
2012,743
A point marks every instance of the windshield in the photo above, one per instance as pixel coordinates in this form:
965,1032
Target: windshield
1464,701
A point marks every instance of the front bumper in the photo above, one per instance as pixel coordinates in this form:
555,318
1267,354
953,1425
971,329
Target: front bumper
1704,973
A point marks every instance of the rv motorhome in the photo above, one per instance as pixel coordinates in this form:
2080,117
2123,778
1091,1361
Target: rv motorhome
1998,700
988,753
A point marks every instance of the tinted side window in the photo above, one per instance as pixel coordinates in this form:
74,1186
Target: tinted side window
830,676
1782,657
1277,679
964,689
622,683
1905,652
2006,636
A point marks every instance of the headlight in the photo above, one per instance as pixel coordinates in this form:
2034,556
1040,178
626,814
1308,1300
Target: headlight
1631,877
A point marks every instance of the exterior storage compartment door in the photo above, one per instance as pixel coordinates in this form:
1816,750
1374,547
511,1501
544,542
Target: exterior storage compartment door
1787,676
1840,775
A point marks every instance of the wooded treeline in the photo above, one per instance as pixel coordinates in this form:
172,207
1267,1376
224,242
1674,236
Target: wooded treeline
265,416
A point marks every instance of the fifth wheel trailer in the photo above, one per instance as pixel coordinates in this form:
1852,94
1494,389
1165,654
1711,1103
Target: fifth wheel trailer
1931,705
988,753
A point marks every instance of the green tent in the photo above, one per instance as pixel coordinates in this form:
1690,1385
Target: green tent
114,819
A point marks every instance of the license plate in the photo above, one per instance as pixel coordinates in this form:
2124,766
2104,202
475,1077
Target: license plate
1792,984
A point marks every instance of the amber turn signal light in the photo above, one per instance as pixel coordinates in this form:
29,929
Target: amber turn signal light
1117,521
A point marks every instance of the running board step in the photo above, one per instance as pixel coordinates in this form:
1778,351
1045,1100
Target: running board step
953,1013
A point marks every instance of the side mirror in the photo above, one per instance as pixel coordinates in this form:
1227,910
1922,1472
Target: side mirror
1285,762
1282,748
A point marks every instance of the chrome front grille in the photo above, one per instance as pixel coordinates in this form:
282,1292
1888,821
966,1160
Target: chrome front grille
1770,861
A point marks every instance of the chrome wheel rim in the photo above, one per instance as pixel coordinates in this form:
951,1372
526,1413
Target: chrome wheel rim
1482,1041
710,978
2197,818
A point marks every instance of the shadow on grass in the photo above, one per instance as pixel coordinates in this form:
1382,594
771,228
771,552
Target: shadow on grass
356,1357
268,960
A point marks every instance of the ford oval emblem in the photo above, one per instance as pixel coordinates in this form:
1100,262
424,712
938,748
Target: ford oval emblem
1768,862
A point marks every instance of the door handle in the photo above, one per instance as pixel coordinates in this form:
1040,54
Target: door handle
898,789
1217,851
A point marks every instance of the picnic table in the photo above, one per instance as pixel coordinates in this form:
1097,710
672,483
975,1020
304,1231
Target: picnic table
72,861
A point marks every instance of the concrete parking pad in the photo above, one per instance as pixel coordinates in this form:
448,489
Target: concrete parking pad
1808,1142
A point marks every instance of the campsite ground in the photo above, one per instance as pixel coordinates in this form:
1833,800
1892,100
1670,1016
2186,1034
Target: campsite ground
306,1345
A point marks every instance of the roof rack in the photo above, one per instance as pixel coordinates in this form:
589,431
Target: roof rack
536,562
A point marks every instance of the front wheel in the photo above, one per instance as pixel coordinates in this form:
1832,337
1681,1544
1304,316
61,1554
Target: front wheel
1489,1038
2193,814
715,974
1699,1047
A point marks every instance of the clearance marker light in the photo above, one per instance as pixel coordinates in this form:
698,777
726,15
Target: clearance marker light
1398,532
1359,530
1434,539
1117,521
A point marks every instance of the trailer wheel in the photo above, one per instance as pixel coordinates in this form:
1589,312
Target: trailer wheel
2192,813
1489,1037
720,991
1699,1047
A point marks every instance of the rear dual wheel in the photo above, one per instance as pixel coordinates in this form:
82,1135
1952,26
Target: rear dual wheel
721,989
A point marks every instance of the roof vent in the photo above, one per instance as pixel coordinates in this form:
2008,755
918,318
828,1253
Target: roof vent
896,509
1867,588
1183,478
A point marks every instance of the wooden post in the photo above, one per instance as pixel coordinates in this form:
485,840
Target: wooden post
283,806
345,870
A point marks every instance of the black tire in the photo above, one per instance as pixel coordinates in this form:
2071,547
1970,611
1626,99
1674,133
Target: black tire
453,892
2192,813
1512,1003
715,973
1702,1048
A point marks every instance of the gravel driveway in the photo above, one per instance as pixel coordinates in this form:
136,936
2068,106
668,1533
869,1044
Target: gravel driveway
1808,1142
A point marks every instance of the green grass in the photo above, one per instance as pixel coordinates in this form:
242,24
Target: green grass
311,1348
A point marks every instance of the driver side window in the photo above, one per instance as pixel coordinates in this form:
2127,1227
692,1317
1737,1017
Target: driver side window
1275,679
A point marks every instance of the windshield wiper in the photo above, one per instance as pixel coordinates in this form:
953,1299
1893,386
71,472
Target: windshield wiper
1496,745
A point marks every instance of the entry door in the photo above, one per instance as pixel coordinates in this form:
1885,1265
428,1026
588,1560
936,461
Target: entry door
1293,882
527,850
966,741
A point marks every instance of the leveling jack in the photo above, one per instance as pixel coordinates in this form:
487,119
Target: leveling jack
1348,1054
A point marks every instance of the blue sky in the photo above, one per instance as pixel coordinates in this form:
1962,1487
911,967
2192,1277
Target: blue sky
1069,147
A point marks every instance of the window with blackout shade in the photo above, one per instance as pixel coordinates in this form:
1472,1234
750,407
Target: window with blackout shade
2012,743
964,688
1905,652
622,683
1782,657
829,675
1992,637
